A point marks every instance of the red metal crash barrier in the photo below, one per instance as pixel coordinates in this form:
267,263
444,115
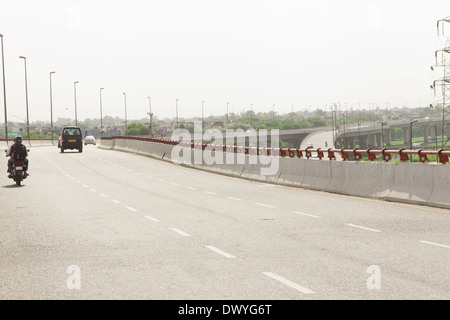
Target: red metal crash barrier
357,154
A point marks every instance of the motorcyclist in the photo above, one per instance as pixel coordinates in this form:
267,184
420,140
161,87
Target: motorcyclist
17,151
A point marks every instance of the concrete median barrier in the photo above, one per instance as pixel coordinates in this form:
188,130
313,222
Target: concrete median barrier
364,179
426,184
441,186
290,172
107,144
413,182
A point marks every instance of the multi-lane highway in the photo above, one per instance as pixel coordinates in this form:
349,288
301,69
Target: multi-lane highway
112,225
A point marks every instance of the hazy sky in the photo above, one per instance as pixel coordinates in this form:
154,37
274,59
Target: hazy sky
262,52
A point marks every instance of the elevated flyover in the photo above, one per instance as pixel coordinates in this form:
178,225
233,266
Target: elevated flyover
379,134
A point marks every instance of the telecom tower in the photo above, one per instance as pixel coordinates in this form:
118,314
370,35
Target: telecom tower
443,61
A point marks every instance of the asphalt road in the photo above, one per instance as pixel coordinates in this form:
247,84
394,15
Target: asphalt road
112,225
320,139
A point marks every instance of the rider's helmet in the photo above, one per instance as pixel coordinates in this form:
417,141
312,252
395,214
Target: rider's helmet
18,139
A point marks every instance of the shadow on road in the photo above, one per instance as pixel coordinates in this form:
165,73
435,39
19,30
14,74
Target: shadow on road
14,186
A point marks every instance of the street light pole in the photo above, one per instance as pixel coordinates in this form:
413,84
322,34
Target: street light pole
75,96
332,123
382,132
410,136
51,105
26,96
359,122
251,114
435,136
101,113
203,111
151,115
176,104
4,92
126,120
343,117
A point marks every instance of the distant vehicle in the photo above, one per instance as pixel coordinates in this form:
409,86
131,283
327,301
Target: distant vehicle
309,145
70,138
90,140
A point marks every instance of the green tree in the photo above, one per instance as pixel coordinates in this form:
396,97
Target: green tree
137,129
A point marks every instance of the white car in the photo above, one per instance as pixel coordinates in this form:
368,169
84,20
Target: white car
90,140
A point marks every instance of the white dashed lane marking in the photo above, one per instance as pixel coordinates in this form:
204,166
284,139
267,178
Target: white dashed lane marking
288,282
184,234
152,219
360,227
218,251
265,205
306,214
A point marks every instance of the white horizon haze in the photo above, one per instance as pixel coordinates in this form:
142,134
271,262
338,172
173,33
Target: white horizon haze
283,55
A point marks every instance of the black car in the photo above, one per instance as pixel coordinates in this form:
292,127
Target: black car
71,138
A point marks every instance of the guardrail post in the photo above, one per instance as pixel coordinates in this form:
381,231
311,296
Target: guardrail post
291,152
319,153
386,155
370,155
422,157
307,153
403,155
356,155
443,158
331,155
344,155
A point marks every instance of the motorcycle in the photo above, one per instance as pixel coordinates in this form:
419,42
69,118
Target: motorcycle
17,172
